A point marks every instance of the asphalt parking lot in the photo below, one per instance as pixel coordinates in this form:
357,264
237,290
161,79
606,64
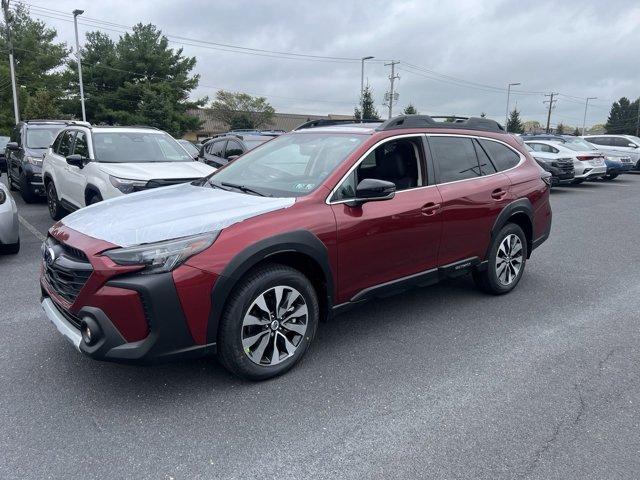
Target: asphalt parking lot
443,382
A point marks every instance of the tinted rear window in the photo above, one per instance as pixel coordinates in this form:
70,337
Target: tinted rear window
502,156
456,158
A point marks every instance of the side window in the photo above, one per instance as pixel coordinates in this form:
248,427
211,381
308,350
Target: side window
16,135
621,142
455,157
233,148
397,161
554,150
606,141
64,148
56,142
81,147
217,148
503,157
486,165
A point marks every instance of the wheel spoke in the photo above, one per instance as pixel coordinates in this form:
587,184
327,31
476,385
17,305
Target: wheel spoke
279,294
516,249
258,353
299,311
262,304
250,341
287,344
253,320
275,355
294,327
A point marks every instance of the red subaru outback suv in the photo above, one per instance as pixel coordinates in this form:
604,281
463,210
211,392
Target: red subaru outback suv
246,262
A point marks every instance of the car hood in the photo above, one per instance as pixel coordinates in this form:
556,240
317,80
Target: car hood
157,170
169,212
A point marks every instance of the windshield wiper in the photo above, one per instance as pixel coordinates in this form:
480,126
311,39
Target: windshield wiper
244,189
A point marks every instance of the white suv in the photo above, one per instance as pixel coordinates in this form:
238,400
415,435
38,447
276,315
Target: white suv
625,144
88,164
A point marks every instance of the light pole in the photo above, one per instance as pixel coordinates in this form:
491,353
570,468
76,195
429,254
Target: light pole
7,21
362,87
506,116
75,24
584,119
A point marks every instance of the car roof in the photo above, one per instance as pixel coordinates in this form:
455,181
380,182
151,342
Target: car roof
133,129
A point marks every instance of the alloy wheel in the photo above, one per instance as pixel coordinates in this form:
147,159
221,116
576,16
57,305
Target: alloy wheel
51,200
509,259
274,325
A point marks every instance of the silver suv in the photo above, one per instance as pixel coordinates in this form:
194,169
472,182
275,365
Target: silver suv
626,144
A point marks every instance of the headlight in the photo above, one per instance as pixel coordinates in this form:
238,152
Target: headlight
125,185
3,197
162,256
36,161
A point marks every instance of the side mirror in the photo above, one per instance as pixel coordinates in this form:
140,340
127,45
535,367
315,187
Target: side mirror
632,145
373,190
13,146
76,160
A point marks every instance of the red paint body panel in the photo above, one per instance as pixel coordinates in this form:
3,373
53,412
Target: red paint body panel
124,309
194,288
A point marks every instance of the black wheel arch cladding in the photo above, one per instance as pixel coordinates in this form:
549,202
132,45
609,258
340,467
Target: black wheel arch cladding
518,207
299,242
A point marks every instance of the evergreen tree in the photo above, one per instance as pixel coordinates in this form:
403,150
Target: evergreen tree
514,125
369,111
576,132
623,117
410,110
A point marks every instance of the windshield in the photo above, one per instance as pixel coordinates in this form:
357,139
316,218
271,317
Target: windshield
42,137
288,166
137,147
3,142
251,144
189,147
579,145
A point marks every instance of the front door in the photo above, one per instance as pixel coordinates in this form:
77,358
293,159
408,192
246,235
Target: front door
381,242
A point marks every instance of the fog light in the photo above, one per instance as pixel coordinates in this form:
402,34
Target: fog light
90,331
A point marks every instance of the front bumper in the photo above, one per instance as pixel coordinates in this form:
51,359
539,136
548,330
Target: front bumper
9,227
34,178
168,338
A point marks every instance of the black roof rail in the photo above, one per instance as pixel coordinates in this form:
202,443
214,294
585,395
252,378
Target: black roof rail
325,122
425,121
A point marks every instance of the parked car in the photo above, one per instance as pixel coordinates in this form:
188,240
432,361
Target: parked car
543,136
551,160
587,163
3,158
28,143
221,150
86,165
617,164
246,261
9,228
189,147
625,144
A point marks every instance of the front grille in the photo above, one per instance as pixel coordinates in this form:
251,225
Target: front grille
71,318
66,269
167,182
565,166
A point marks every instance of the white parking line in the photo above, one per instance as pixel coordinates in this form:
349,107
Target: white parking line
31,228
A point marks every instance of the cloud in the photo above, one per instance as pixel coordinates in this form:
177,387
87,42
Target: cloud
580,49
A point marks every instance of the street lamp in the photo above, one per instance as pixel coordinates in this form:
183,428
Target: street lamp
506,117
362,86
584,119
75,24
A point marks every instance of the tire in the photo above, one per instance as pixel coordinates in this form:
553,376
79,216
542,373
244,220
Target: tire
10,249
498,280
247,332
26,192
577,182
94,198
12,186
610,176
56,211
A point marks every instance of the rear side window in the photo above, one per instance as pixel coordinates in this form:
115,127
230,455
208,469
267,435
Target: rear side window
455,157
216,148
502,156
621,142
486,165
233,148
600,140
64,148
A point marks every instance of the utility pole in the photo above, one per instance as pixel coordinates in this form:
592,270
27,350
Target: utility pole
584,119
392,79
506,116
551,103
7,22
78,57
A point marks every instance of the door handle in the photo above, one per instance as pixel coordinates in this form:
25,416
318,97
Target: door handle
430,208
498,193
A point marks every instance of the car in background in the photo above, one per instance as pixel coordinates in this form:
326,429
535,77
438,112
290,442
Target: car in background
3,159
86,165
543,136
617,164
189,147
9,228
626,144
587,163
221,150
551,160
27,145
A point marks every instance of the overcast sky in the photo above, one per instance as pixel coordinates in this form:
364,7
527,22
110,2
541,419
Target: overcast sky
577,48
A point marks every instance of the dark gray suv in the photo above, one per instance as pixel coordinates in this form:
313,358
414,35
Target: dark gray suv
221,150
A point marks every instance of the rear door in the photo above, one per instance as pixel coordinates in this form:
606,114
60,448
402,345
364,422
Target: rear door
64,175
76,179
214,153
473,191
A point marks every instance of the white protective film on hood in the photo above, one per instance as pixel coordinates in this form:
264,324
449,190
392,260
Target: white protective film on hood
169,212
157,170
